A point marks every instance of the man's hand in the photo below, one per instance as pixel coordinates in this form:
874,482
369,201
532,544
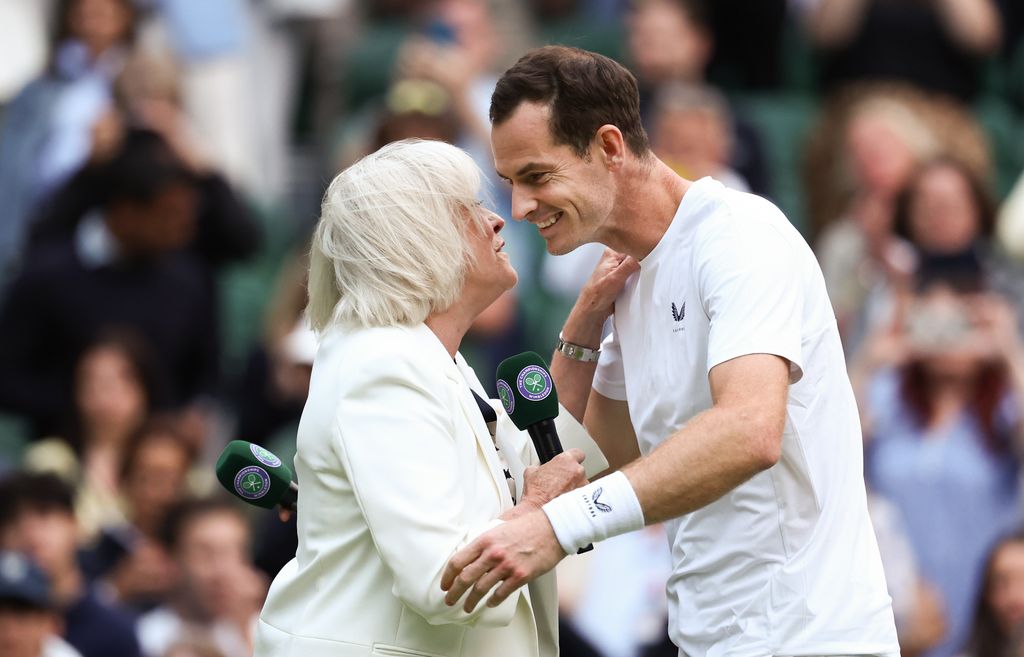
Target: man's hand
513,553
597,298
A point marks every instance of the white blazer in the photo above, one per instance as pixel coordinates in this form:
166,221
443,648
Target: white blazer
397,470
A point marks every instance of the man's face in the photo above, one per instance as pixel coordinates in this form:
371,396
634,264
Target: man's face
24,631
566,197
48,536
213,553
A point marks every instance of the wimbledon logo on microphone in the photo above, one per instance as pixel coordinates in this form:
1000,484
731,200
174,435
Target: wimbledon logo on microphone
264,456
252,482
534,383
508,401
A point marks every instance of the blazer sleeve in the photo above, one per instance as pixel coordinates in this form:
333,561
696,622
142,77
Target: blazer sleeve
395,434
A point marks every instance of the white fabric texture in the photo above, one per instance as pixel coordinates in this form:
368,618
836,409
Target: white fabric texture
787,562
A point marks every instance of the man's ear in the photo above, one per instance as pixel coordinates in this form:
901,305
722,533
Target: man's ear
610,146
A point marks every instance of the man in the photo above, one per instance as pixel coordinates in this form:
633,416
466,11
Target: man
29,627
124,267
219,592
37,519
724,368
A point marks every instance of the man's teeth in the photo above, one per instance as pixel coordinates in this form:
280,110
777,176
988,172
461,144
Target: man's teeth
549,222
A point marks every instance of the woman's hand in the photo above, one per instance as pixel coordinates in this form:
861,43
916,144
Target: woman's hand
546,482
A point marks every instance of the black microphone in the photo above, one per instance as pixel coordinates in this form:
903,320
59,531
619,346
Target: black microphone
528,395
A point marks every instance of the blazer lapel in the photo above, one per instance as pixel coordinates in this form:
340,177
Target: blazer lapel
457,375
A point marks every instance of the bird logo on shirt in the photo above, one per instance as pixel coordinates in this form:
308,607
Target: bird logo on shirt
678,313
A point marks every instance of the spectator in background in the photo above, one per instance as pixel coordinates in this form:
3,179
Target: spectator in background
692,131
999,617
941,392
862,261
131,557
115,390
147,96
123,267
219,593
29,627
670,41
946,210
937,45
47,129
37,518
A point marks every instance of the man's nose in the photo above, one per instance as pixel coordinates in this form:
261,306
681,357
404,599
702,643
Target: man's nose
523,203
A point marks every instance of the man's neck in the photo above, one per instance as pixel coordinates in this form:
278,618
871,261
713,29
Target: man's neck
648,199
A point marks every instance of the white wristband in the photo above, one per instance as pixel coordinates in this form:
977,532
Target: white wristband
602,509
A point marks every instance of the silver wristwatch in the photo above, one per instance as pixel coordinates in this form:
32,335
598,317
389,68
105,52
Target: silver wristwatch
576,352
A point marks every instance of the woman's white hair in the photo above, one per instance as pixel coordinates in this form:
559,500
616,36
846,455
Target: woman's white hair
391,246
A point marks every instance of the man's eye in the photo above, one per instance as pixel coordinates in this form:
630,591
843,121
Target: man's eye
539,177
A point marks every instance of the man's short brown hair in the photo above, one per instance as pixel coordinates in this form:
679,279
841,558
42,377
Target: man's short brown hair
584,91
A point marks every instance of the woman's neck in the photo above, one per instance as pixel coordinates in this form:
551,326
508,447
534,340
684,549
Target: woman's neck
452,325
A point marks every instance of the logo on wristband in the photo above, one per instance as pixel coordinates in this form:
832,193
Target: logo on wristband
534,383
601,506
508,400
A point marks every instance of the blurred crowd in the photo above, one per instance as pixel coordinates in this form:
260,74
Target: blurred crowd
161,165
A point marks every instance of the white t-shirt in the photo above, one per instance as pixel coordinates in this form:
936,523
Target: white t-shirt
787,562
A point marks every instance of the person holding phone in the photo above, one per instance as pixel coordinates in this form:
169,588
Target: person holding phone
941,391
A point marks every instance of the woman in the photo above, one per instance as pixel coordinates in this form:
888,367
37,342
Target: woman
116,388
942,394
999,617
48,127
397,463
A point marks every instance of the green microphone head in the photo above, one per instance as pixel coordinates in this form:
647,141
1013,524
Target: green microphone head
526,389
253,474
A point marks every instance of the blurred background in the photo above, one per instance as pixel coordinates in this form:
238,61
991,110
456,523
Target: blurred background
161,168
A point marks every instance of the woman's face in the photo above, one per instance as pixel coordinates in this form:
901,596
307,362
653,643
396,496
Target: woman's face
1006,586
943,216
491,274
881,159
108,392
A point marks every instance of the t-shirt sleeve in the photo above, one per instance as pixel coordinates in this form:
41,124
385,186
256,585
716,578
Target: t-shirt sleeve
609,379
752,292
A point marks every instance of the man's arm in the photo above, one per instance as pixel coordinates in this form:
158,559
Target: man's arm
606,420
583,327
718,450
722,447
609,424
